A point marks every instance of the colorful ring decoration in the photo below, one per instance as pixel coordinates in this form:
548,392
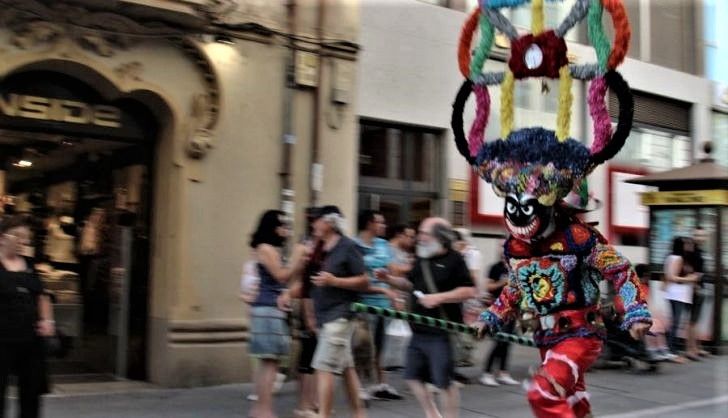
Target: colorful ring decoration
623,33
542,54
466,39
621,89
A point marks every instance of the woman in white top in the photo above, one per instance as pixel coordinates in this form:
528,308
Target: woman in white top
680,279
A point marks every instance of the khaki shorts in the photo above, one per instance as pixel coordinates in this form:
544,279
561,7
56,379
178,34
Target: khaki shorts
333,352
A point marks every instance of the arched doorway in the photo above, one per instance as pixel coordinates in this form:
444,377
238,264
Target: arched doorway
78,156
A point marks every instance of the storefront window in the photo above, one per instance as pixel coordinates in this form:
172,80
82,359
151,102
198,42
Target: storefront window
657,150
720,137
399,169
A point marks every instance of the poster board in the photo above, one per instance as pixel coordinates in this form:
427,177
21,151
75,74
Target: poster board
485,205
627,214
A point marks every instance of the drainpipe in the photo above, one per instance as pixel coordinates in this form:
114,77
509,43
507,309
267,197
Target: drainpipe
316,180
289,138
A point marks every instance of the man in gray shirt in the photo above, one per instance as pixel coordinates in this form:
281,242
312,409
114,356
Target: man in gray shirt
342,278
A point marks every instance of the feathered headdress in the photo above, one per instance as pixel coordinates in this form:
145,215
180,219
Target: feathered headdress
547,164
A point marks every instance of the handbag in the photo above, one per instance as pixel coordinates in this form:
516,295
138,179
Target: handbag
57,346
461,347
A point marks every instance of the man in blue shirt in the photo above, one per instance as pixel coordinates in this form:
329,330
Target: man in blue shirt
377,255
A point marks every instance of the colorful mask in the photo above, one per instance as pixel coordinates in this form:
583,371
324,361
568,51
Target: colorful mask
526,218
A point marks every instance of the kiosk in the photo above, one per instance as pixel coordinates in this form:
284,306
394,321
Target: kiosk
688,198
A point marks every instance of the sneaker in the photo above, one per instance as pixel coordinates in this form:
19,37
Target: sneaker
278,384
487,379
654,355
373,390
307,413
364,395
387,392
506,379
252,397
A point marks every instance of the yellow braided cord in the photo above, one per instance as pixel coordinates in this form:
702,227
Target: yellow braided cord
507,105
563,119
537,17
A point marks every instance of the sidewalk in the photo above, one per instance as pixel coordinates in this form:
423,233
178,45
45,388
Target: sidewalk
693,389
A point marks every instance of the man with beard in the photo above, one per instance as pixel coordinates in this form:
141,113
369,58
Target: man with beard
438,282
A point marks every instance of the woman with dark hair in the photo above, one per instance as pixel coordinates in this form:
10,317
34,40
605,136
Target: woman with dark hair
26,316
680,279
696,262
270,337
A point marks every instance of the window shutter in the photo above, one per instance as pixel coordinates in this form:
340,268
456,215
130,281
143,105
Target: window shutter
656,111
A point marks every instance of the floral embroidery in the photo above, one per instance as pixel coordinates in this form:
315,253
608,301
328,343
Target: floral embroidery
543,283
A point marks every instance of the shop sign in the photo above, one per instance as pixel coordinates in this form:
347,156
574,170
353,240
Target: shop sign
59,110
53,103
688,197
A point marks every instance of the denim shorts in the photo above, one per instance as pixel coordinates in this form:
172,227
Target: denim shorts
333,351
430,359
269,335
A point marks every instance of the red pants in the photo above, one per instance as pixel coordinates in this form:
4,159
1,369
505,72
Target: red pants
557,389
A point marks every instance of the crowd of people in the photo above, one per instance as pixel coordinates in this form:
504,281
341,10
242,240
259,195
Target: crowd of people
306,293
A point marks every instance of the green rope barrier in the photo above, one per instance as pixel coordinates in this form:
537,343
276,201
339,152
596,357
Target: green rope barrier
437,323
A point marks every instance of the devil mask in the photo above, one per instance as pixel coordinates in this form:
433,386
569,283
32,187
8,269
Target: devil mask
526,218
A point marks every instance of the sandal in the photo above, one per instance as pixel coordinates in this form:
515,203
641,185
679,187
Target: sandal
692,357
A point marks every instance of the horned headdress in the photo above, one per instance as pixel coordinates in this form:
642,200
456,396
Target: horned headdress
546,164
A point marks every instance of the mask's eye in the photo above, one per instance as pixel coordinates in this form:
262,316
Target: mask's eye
511,208
527,210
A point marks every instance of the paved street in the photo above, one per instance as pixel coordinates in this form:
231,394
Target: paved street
694,389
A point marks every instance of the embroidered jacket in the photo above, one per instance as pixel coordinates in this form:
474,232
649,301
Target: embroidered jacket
562,272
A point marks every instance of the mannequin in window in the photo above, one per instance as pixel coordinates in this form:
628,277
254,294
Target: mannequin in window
60,244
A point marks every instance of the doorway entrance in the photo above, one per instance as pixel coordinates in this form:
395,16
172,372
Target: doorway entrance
81,167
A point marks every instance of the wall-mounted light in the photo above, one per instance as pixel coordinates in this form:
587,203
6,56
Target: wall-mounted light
222,39
23,164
